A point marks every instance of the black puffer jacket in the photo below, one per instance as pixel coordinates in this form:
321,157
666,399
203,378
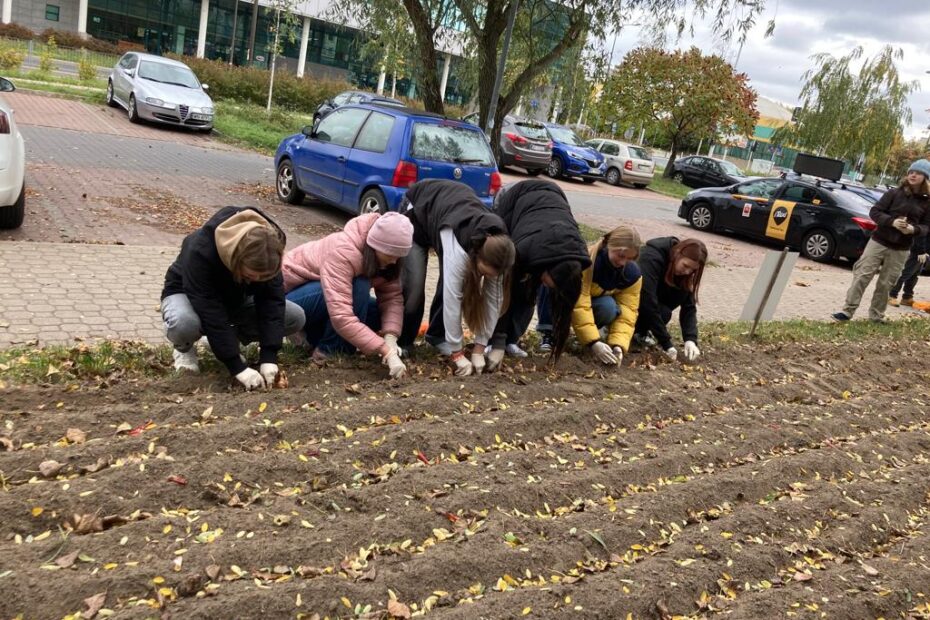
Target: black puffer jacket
200,273
436,204
901,203
657,299
542,226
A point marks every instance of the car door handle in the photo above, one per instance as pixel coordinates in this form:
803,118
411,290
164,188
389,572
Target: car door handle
341,159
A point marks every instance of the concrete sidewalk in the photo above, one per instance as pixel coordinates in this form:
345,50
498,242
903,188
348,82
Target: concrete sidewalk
53,293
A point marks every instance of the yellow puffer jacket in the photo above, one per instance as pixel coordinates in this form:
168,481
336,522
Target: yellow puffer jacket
621,330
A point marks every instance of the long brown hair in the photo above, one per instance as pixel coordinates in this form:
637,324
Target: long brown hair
497,252
625,237
567,277
372,269
924,188
261,251
696,251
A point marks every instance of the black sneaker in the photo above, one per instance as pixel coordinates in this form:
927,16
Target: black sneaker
545,342
841,316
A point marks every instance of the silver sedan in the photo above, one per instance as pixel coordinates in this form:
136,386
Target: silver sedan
160,90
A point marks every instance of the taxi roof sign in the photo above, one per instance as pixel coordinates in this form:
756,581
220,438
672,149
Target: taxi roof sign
823,167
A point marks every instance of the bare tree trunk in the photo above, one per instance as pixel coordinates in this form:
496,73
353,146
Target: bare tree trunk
426,50
673,153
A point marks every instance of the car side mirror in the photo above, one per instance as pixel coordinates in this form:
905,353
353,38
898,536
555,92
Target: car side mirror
309,130
206,87
6,86
131,72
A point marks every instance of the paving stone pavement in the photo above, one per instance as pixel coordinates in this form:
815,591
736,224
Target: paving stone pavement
54,293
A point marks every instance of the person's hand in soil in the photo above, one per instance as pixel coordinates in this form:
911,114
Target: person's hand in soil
478,361
268,373
495,357
603,353
251,379
692,352
672,354
618,353
396,368
463,367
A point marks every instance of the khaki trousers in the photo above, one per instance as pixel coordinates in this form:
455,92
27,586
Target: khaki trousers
875,259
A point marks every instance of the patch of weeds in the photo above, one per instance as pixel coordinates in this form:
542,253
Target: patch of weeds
590,234
806,330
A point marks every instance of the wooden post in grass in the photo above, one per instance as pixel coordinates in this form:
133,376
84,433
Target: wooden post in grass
767,289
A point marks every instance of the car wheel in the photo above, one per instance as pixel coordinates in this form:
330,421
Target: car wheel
286,184
818,245
133,112
12,216
678,177
534,172
372,201
555,168
110,100
701,216
613,176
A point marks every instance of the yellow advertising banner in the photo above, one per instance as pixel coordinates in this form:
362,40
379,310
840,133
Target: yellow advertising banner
779,218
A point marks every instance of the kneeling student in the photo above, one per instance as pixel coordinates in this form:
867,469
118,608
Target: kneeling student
332,278
226,284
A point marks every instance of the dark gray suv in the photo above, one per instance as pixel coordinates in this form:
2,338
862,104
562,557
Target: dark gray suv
524,143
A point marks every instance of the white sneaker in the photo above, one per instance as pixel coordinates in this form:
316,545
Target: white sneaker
514,350
186,361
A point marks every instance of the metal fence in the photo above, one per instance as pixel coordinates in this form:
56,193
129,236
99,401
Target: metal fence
37,48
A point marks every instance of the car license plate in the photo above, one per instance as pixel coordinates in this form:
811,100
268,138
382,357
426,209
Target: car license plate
594,171
201,117
643,167
538,147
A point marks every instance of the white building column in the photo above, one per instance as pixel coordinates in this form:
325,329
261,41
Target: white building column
82,18
445,76
382,78
7,11
202,29
304,39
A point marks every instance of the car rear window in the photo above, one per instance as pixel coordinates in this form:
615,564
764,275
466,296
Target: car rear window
638,153
531,131
851,200
451,143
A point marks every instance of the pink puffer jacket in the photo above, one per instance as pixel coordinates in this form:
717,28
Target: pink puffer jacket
334,261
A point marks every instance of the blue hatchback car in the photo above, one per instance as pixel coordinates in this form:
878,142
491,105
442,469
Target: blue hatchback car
362,158
572,158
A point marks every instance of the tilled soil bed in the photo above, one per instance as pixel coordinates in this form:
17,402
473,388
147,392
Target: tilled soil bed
775,481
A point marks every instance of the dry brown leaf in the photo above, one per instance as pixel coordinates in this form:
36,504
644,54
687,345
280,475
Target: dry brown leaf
76,435
84,524
92,469
94,604
67,561
125,427
803,576
7,444
398,609
869,570
213,571
355,389
50,468
280,380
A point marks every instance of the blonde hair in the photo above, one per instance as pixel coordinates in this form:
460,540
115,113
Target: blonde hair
621,237
260,251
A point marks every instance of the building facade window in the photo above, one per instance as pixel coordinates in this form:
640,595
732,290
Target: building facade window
52,12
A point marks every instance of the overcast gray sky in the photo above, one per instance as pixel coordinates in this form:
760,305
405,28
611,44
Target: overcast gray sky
806,27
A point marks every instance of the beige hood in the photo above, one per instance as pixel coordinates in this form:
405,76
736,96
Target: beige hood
230,233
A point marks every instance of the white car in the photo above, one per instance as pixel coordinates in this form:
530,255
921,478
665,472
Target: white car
625,162
160,90
12,165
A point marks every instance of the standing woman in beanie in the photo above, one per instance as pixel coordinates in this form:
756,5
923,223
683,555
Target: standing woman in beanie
226,284
475,258
609,300
901,215
331,280
672,272
551,253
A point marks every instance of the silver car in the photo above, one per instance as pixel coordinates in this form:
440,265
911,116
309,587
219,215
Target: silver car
158,89
625,162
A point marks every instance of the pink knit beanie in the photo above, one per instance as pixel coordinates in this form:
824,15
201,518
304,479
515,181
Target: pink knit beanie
391,234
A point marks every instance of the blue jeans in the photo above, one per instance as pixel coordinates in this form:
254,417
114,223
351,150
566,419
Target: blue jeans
319,329
605,311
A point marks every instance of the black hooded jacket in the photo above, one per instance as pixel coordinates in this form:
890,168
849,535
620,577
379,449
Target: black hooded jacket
545,233
199,273
435,204
658,299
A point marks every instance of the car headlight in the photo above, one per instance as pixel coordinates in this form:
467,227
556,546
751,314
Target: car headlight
158,103
206,110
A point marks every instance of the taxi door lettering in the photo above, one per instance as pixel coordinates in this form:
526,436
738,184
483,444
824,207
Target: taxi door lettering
779,218
747,209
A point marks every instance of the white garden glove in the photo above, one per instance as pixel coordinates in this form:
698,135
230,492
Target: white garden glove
692,352
672,354
251,379
396,368
495,357
601,350
463,367
618,353
268,372
922,258
391,341
478,362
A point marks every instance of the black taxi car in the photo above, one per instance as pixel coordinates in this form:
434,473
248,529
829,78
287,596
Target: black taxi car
822,219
